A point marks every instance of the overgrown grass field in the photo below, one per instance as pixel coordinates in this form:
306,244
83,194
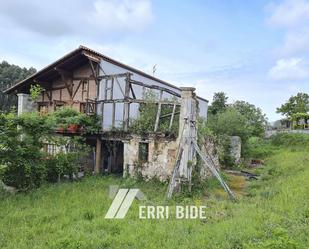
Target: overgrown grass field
272,212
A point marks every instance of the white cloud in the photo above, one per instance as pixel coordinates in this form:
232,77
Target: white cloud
94,18
289,13
293,17
295,41
290,68
121,14
293,52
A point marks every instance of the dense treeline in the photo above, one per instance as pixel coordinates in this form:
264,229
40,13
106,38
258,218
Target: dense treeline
10,74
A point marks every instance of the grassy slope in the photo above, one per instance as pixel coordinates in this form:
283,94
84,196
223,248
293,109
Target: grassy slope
275,214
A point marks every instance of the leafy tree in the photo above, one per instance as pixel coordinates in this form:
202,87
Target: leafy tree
295,104
230,122
255,120
218,103
21,140
9,75
238,119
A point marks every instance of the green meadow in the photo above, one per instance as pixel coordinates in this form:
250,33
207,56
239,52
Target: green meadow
271,212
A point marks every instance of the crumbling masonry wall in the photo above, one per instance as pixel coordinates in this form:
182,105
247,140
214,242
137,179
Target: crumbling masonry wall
161,158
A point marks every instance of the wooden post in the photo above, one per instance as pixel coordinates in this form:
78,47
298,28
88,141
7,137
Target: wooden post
102,111
112,88
126,109
113,115
172,118
98,156
158,112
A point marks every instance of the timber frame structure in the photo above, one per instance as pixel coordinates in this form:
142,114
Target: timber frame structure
96,84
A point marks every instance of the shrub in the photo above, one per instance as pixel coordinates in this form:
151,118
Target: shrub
21,140
257,147
66,116
145,123
290,140
26,165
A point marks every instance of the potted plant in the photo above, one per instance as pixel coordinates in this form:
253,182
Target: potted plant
73,124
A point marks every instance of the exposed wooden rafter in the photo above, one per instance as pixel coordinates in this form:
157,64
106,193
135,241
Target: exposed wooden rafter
67,79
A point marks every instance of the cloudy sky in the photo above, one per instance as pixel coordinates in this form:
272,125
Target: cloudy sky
255,50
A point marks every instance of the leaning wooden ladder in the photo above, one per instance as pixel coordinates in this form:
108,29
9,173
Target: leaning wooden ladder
208,162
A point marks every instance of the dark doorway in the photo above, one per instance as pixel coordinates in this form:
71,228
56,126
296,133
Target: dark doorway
112,152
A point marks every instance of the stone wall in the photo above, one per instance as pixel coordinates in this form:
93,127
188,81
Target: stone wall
161,158
235,149
210,151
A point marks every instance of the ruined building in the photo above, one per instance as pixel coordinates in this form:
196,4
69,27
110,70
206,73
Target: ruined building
93,83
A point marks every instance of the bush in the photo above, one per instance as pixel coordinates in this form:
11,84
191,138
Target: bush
66,116
290,140
257,147
25,164
21,140
145,123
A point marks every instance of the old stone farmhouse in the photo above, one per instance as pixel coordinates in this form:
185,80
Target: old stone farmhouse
93,83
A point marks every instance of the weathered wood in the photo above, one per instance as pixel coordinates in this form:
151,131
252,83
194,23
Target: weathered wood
77,78
88,88
169,115
66,76
98,156
132,91
76,90
110,76
139,101
112,88
93,72
92,57
51,96
113,115
102,111
48,96
120,87
158,112
126,109
155,87
172,118
105,89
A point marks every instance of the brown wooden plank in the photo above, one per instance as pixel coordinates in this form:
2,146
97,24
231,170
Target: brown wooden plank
93,72
78,86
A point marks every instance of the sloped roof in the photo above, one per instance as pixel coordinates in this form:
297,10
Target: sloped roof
79,51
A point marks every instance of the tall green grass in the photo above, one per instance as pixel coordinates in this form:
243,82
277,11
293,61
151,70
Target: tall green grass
273,215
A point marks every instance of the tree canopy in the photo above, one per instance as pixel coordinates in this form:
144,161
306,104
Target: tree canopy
254,117
295,104
219,103
10,74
